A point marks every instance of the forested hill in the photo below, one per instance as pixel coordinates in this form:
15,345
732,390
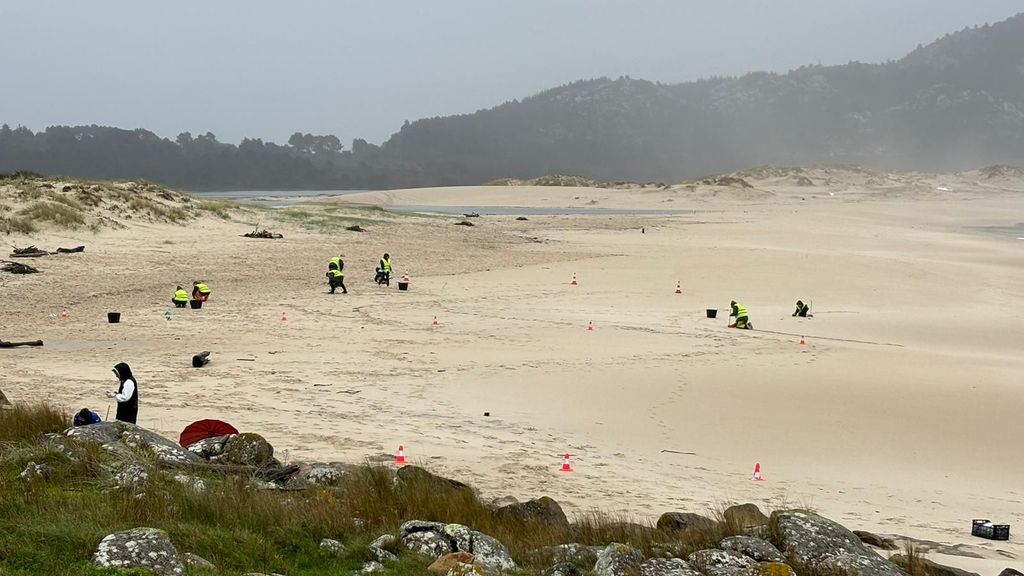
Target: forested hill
954,104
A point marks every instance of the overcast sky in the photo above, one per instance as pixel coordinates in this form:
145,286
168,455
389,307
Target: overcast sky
266,69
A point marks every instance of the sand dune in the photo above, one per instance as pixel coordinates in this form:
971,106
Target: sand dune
901,414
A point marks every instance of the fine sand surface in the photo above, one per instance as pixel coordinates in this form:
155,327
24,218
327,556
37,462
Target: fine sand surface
903,413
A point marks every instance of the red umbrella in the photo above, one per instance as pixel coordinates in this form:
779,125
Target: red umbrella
203,429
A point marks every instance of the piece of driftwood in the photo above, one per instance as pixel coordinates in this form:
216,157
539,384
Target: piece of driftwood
465,223
4,344
522,218
267,234
471,214
356,228
71,250
201,359
4,402
18,268
28,252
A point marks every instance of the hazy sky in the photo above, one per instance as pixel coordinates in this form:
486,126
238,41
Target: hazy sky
358,69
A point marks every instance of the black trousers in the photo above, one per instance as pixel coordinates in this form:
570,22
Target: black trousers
338,282
180,303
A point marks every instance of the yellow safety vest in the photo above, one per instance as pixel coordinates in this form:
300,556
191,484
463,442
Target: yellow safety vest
180,295
203,288
385,265
335,273
741,310
336,262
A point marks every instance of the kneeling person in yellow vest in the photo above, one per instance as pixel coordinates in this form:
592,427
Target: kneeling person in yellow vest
740,312
200,291
336,279
180,299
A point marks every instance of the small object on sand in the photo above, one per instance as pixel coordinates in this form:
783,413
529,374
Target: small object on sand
471,215
522,218
201,359
984,528
487,413
18,268
246,359
4,344
356,228
465,223
30,252
71,250
678,452
267,234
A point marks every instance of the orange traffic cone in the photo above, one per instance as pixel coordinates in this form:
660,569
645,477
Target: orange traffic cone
679,288
590,326
64,314
400,458
434,323
284,317
573,283
757,473
802,341
566,466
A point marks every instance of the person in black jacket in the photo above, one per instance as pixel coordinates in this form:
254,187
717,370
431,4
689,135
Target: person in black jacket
127,394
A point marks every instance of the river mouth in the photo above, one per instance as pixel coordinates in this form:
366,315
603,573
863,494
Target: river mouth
283,198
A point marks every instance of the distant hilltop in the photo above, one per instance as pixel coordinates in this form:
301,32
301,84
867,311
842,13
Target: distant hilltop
954,104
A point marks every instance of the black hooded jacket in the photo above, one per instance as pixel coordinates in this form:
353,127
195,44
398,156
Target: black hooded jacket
128,410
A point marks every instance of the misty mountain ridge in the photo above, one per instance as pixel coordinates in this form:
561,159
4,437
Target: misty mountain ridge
954,104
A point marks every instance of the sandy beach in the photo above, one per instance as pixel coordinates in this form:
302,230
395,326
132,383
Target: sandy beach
902,413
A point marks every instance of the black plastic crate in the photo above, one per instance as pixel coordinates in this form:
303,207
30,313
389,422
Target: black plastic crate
986,529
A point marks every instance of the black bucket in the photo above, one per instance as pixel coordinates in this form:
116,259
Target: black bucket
195,304
712,313
113,317
403,285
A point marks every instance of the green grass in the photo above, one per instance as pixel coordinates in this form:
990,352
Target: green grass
219,208
157,210
58,213
53,527
16,225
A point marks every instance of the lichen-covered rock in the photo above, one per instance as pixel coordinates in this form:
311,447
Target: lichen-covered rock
196,483
209,448
146,548
371,567
332,547
193,561
563,569
131,476
542,510
413,526
429,544
115,436
715,562
814,543
423,479
1011,572
579,554
379,548
676,521
744,516
36,472
323,475
768,569
249,449
667,567
445,563
489,552
754,548
618,560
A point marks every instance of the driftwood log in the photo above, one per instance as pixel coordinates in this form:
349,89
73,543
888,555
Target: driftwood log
465,223
356,228
263,234
33,252
201,359
4,344
18,268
